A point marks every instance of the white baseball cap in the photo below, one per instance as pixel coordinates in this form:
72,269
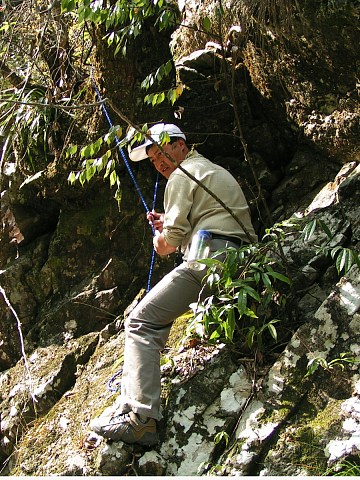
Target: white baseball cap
139,153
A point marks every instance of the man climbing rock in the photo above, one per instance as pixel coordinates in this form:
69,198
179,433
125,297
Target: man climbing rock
188,208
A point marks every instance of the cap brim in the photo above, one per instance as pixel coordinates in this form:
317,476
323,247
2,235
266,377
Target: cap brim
139,153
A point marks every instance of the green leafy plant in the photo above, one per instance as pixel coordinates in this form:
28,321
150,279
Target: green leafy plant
26,118
98,156
123,20
208,469
248,285
347,468
245,283
341,361
344,258
221,436
93,164
171,95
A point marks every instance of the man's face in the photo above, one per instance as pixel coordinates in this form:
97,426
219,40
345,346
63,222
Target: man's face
161,162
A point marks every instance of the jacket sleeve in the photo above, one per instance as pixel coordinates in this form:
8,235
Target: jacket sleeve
178,201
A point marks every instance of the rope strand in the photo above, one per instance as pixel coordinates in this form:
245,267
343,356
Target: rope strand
121,150
152,262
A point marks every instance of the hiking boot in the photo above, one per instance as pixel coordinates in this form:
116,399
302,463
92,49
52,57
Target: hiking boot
127,427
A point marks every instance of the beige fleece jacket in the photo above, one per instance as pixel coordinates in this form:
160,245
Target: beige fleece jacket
189,208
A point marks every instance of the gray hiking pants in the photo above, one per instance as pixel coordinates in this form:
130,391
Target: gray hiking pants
147,329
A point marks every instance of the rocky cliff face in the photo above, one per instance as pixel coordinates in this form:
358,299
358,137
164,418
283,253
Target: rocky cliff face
71,263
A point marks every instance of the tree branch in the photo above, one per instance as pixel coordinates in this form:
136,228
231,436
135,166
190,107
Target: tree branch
11,76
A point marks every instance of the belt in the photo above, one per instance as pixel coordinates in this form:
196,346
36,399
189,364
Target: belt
227,238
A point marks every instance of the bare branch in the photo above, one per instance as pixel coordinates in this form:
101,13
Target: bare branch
2,291
53,105
11,76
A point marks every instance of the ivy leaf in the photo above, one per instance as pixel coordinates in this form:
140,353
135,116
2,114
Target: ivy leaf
266,280
229,326
68,5
206,24
279,276
154,100
326,229
308,230
250,313
168,67
113,178
171,96
242,302
82,177
253,293
72,149
71,177
118,195
85,152
344,260
312,366
272,329
250,336
109,167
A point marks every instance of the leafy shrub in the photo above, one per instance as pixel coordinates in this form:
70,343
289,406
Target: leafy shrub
344,258
248,284
245,286
25,118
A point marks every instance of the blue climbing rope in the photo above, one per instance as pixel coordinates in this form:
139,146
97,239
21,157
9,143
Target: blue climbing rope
121,150
152,262
118,143
112,379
